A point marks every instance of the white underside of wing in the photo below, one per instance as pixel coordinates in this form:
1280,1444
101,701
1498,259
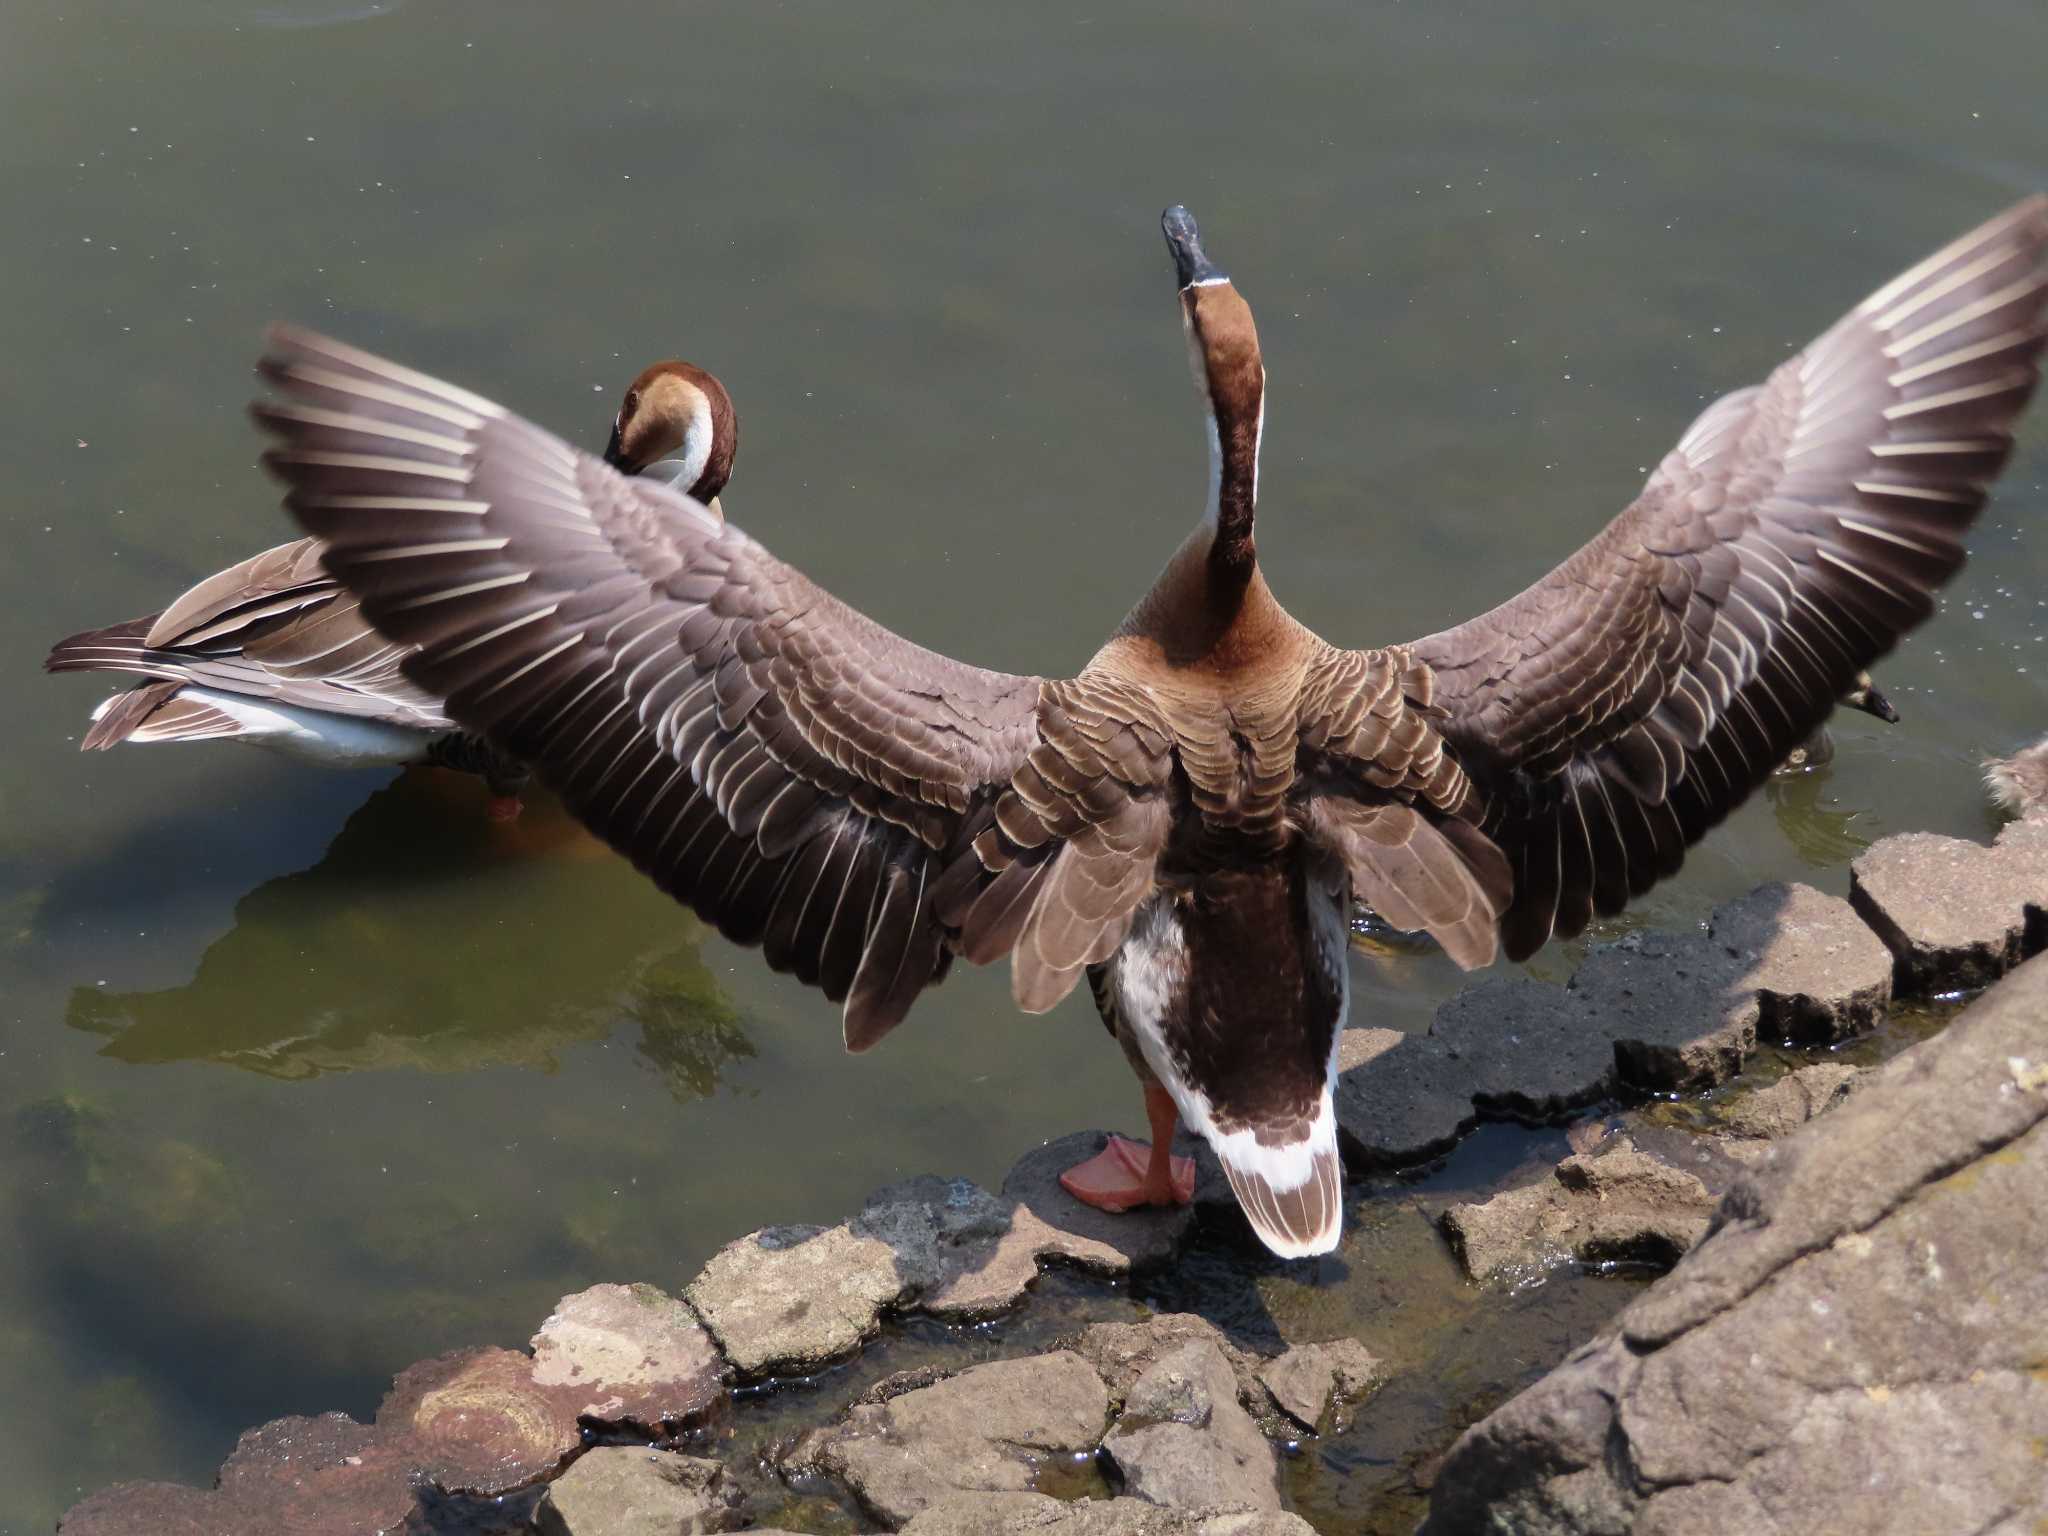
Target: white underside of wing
343,741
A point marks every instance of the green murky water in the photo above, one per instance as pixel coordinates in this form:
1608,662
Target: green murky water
301,1078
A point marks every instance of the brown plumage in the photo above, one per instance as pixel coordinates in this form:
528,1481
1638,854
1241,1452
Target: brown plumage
1188,819
277,632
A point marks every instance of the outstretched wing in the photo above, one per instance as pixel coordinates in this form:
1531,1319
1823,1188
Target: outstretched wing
1625,703
801,776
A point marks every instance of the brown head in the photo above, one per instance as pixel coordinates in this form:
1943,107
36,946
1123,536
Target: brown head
1223,350
680,416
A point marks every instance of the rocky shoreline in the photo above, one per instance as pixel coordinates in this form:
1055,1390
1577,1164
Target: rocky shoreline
1801,1207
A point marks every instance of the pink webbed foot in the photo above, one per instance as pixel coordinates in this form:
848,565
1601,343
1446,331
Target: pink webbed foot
504,808
1125,1175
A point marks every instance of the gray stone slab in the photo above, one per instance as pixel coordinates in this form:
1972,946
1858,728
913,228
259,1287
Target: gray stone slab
1400,1098
1820,974
1677,1007
1955,914
793,1298
1856,1345
1529,1048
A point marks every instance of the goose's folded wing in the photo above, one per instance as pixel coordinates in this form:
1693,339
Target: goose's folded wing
1622,705
275,626
801,776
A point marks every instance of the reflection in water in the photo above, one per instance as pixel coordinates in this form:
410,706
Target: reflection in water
1818,833
429,938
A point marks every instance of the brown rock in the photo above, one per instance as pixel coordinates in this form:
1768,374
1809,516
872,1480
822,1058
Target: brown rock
1035,1221
632,1491
628,1357
1184,1440
1616,1202
984,1431
1855,1346
797,1297
483,1421
1315,1382
1790,1102
1820,974
1955,914
1123,1352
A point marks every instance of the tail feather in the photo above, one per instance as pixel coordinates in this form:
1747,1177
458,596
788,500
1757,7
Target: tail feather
156,712
1291,1192
117,648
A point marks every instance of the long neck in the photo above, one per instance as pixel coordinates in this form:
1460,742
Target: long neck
1234,482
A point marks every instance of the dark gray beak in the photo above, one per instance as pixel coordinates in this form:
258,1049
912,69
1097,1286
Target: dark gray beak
1185,241
611,452
1871,702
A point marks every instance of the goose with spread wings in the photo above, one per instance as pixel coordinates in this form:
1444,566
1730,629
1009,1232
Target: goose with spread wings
273,651
1188,821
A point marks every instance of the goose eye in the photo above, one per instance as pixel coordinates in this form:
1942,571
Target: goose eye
632,404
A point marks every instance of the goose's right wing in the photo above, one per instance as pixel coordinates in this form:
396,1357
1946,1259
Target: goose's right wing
1625,703
859,806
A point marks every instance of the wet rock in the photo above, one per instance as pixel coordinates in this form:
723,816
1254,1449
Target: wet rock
984,1431
1314,1383
481,1421
634,1355
1677,1007
325,1476
633,1491
1400,1098
1184,1440
988,1267
1615,1202
793,1298
1855,1346
1034,1514
1790,1102
1123,1352
1820,974
1955,914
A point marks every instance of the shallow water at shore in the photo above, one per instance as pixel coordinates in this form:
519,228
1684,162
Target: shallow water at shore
305,1076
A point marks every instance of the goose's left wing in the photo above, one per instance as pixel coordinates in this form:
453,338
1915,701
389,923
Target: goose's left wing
803,777
1626,702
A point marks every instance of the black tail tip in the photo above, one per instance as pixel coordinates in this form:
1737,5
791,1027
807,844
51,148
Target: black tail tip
1185,241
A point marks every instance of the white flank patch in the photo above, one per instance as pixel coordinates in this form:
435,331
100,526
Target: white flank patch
338,740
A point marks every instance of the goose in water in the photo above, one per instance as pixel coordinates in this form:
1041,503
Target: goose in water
1188,821
273,651
1818,749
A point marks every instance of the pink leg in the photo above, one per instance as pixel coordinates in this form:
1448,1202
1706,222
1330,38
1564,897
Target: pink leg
504,808
1127,1174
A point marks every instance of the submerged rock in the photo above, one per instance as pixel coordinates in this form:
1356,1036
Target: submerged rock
1314,1383
987,1430
1185,1441
634,1491
1787,1104
1615,1203
481,1421
1855,1346
1033,1514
